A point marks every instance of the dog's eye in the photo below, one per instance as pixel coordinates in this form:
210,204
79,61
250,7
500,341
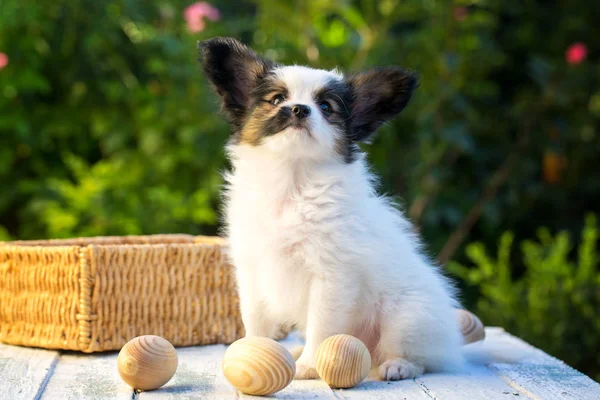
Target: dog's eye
277,99
325,107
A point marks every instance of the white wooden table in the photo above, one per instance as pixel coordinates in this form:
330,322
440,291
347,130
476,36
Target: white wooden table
42,374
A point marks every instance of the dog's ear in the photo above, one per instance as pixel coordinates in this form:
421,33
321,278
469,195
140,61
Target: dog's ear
378,95
234,70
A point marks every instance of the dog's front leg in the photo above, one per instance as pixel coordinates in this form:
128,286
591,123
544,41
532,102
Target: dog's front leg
254,313
255,321
329,313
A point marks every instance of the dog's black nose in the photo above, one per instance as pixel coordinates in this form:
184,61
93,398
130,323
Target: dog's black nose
301,111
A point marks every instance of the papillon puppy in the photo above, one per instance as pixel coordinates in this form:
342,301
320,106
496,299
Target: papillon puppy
313,244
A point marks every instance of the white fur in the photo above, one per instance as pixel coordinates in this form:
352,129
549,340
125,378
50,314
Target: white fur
315,247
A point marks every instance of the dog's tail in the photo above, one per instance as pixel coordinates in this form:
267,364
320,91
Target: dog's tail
497,347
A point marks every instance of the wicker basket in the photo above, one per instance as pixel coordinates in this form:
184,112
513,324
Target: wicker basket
95,294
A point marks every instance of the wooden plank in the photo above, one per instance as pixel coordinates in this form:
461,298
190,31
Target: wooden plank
378,390
27,373
542,376
475,382
199,375
306,389
86,376
24,371
548,382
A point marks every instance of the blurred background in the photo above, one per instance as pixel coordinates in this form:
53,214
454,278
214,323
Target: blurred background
107,127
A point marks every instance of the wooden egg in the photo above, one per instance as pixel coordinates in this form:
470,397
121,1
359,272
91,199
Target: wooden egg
470,326
147,362
343,361
258,366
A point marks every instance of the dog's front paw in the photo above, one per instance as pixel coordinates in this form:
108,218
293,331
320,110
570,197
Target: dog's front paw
399,368
304,371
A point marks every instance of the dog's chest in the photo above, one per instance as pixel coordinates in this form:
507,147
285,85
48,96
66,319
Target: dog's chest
287,226
281,222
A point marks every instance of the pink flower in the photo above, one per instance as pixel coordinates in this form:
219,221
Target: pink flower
460,13
576,53
194,15
3,60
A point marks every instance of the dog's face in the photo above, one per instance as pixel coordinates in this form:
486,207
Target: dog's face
301,112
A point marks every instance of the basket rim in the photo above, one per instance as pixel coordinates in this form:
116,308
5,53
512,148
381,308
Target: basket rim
130,241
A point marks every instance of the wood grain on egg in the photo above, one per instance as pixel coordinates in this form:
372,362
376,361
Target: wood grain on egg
343,361
147,362
470,326
258,366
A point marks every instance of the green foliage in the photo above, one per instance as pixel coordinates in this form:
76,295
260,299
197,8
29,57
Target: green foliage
553,303
106,126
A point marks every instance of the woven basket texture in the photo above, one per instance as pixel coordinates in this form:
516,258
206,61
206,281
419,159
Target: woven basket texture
96,294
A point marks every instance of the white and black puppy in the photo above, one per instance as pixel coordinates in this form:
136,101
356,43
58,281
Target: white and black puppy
314,246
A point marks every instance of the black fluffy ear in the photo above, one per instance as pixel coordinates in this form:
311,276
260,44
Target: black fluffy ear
234,70
378,95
